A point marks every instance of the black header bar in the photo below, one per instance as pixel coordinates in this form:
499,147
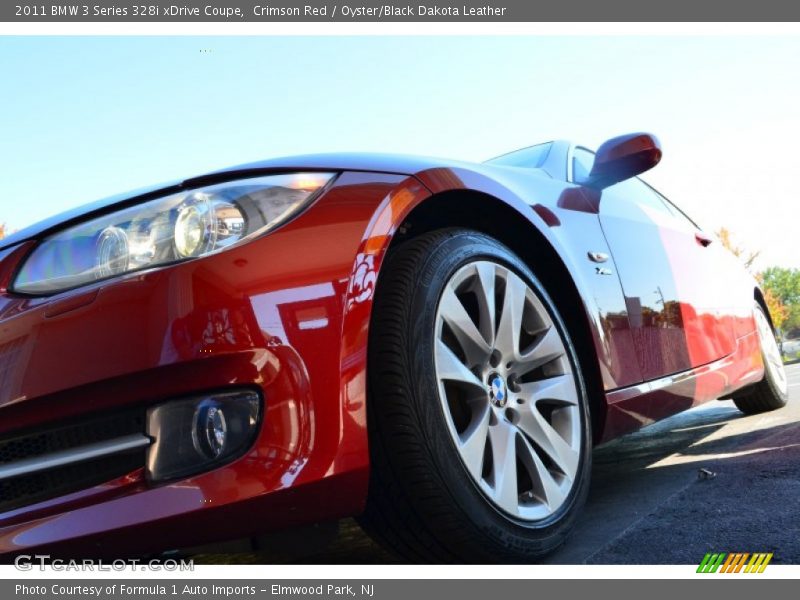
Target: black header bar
415,11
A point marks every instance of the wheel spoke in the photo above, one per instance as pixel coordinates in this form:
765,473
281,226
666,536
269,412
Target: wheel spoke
775,359
560,389
503,437
469,338
778,364
534,425
485,292
450,368
473,442
780,374
547,348
544,486
510,325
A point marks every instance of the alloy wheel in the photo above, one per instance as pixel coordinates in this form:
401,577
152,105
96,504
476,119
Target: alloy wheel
508,390
773,362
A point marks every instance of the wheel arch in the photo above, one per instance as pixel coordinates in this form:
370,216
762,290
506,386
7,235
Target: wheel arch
758,295
483,212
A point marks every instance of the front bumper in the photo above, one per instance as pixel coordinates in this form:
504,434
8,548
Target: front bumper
286,314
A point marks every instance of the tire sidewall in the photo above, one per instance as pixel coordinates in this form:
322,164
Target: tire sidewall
511,534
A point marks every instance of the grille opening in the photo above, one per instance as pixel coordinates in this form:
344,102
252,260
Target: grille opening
23,490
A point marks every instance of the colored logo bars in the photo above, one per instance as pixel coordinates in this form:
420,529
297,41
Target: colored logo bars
735,562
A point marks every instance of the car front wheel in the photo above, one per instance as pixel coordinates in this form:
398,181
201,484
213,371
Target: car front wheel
478,415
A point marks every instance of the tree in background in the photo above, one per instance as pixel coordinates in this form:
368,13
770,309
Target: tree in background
746,256
785,283
777,309
784,286
781,287
2,230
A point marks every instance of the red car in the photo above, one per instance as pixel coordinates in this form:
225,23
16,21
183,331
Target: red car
431,346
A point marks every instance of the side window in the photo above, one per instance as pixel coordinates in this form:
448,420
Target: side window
643,195
677,212
582,161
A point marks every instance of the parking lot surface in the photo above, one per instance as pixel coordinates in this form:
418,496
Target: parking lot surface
650,503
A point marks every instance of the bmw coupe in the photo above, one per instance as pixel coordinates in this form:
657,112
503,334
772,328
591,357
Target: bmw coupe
431,346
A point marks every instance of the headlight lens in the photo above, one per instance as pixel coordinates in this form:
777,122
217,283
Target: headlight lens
178,227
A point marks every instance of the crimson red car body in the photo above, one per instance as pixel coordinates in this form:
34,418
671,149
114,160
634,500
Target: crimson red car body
288,314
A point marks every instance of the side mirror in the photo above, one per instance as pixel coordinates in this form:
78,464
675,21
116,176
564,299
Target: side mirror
623,157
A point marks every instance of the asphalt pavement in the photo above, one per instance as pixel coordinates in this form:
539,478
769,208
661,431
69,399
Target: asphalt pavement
707,480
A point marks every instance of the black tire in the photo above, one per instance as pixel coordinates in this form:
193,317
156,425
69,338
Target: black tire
767,394
422,504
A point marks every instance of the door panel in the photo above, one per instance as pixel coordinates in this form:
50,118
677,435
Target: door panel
668,278
636,238
709,333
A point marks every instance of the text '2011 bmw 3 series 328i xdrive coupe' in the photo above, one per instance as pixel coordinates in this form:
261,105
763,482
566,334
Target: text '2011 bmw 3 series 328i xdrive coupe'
431,346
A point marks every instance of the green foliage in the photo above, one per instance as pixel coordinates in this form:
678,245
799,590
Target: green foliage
784,284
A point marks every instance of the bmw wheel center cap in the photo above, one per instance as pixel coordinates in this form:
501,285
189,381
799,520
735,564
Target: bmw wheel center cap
498,391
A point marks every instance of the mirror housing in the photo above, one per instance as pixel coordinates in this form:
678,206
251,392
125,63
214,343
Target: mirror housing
623,157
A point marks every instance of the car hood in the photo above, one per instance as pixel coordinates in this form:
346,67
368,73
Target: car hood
383,163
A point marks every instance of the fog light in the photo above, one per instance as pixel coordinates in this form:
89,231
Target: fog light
211,431
197,434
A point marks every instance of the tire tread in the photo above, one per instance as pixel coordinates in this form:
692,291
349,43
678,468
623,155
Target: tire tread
410,510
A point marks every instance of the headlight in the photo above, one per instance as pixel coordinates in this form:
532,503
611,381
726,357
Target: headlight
178,227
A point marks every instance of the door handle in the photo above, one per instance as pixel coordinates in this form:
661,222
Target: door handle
702,238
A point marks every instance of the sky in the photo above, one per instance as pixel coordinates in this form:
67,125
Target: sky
82,118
